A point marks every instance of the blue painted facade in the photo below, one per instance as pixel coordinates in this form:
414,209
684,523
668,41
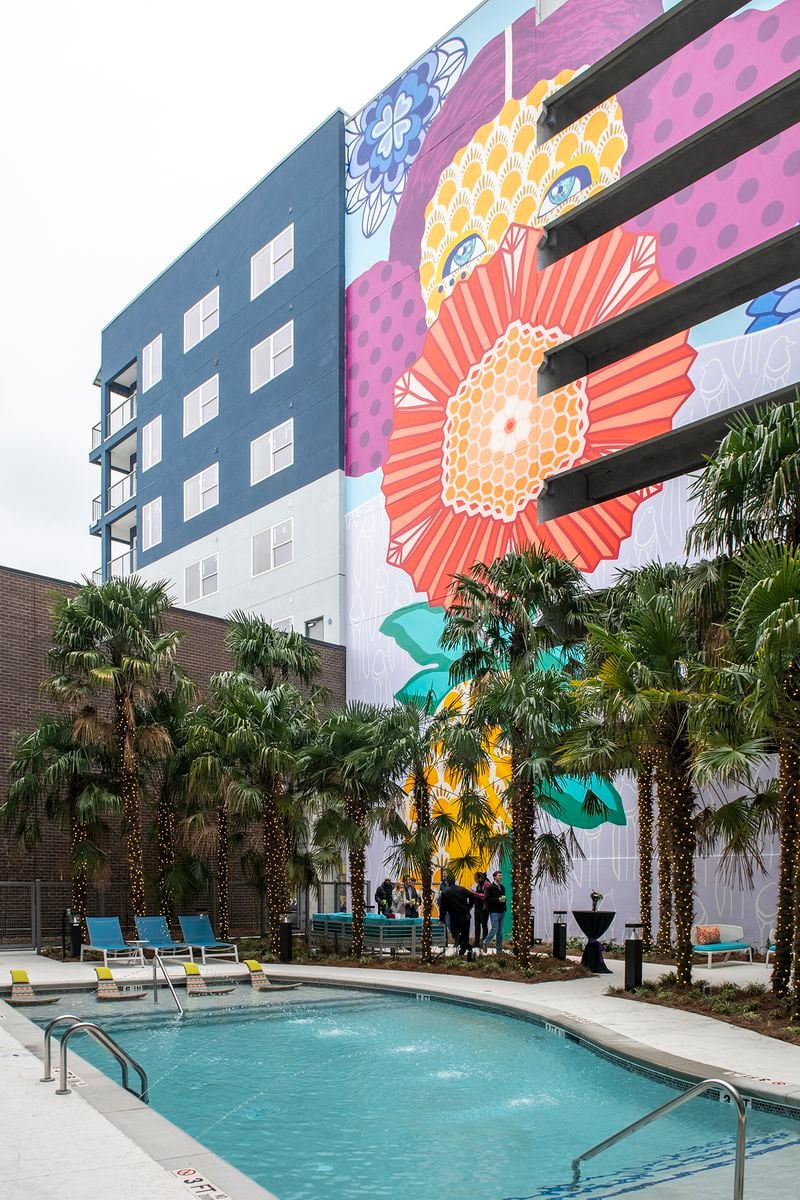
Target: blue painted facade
305,190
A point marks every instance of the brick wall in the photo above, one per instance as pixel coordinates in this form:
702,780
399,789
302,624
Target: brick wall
25,628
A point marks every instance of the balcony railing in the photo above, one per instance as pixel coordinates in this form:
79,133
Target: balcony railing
123,564
97,509
124,489
122,414
97,435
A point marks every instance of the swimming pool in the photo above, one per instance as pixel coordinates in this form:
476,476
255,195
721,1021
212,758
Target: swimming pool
335,1094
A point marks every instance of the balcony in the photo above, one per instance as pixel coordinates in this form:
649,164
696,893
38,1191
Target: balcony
123,564
97,435
121,415
124,489
97,509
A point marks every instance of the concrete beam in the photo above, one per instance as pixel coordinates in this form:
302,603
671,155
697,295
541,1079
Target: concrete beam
632,59
721,288
747,126
654,461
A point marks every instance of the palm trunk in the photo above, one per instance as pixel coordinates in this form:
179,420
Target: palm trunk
796,942
523,828
789,823
679,797
78,870
276,876
165,840
223,896
644,790
664,934
357,872
129,794
422,804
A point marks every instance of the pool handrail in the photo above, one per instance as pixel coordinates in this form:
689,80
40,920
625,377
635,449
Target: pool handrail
670,1106
158,961
48,1037
105,1039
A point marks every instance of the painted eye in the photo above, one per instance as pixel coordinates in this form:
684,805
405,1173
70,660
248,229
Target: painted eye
564,188
464,252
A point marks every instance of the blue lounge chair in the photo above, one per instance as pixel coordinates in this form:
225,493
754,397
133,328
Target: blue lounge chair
198,934
105,937
155,931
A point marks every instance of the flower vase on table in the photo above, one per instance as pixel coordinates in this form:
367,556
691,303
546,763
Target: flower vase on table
593,924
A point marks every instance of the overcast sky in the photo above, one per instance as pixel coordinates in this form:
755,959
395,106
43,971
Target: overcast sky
129,127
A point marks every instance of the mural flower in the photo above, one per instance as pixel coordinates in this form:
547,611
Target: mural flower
384,138
503,178
774,308
473,441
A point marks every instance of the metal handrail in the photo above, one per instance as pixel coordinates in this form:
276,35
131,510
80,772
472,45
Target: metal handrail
123,1058
676,1102
158,960
48,1037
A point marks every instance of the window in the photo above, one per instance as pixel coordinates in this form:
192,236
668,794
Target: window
272,357
151,363
201,320
151,443
285,625
272,262
151,524
315,628
272,452
201,492
273,547
200,405
201,578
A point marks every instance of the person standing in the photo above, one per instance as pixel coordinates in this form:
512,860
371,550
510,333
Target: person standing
399,899
443,917
455,902
481,911
495,896
412,898
383,897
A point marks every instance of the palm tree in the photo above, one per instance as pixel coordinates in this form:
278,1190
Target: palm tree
351,778
54,776
421,745
750,492
269,656
111,637
643,686
245,744
501,618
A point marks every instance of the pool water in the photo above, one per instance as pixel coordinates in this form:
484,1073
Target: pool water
332,1094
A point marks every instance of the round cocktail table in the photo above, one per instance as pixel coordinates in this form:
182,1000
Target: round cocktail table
594,925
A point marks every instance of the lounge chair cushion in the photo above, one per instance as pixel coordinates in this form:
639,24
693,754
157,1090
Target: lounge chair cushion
712,946
103,973
191,968
253,964
19,977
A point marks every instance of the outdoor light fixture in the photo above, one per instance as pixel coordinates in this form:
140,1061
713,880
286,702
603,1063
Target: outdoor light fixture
560,934
634,948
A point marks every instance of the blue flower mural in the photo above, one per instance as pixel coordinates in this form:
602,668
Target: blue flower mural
384,139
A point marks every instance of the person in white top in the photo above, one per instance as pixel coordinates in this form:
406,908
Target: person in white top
399,899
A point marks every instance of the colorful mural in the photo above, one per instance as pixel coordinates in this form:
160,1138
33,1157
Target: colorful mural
449,314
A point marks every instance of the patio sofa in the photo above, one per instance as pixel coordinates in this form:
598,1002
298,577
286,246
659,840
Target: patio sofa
381,934
730,942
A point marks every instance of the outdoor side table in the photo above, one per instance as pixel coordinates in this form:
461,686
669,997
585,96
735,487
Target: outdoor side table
594,925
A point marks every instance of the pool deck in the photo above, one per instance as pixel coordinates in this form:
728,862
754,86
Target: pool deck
113,1160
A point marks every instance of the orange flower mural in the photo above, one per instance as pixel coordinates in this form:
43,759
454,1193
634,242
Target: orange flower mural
473,441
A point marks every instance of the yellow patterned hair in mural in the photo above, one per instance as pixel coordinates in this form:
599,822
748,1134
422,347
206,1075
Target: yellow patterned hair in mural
502,178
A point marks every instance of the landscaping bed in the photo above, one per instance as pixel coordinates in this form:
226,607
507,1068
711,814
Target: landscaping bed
750,1006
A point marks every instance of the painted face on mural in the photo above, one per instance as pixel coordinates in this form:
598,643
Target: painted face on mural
502,177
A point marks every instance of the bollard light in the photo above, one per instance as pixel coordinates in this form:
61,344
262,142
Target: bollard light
560,934
634,951
285,940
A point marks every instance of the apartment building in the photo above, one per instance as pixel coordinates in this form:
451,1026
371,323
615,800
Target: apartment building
220,443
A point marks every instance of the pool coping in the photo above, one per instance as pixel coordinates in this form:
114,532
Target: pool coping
172,1148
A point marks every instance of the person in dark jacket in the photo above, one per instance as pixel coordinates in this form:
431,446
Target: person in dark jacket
496,907
455,903
481,911
383,897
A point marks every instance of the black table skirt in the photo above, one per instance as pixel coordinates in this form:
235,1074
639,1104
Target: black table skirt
594,925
